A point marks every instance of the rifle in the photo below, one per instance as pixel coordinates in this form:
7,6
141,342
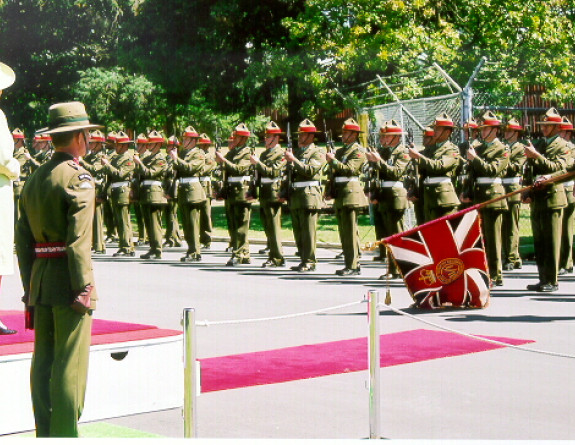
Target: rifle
371,185
412,171
220,186
528,175
286,185
330,190
253,188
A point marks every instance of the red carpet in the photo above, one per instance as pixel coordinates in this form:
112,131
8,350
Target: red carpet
103,332
307,361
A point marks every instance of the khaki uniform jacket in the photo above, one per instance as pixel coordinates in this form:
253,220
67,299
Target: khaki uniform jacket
25,169
439,161
270,166
210,165
93,163
41,158
392,168
152,174
57,205
348,163
236,164
554,159
191,165
515,170
307,167
491,162
120,170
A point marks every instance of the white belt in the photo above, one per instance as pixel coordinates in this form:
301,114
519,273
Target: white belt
394,184
205,178
269,180
569,184
346,179
301,184
238,178
482,180
516,180
189,179
115,185
437,180
151,182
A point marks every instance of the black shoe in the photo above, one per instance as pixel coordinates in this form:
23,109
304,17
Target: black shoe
562,272
534,287
272,263
229,249
262,251
6,331
498,282
347,272
378,258
390,276
339,255
168,244
151,256
123,253
191,258
141,242
517,266
296,268
99,252
508,266
206,246
306,268
235,261
548,288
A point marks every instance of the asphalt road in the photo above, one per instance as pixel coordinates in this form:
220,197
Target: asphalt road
499,394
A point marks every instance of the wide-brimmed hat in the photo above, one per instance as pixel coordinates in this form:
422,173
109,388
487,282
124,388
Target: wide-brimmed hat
513,124
7,76
68,116
173,141
566,124
242,130
307,126
190,132
391,127
42,137
155,137
204,139
273,128
552,117
428,132
97,136
351,125
470,124
122,138
17,134
490,119
142,139
443,120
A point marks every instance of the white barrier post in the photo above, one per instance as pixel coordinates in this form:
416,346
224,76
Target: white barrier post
190,415
374,366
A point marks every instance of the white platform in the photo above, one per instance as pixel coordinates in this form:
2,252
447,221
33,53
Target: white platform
123,378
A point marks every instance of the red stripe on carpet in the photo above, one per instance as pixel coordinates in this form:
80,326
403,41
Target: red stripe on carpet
308,361
103,332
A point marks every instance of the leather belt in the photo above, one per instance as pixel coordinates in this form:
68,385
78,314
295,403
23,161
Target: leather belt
50,250
482,180
302,184
238,178
437,180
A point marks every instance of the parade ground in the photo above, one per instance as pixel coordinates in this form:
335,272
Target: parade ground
436,384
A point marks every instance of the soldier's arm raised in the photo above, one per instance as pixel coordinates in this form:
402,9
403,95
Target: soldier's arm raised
316,162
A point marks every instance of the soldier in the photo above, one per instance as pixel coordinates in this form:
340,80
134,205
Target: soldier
42,145
414,193
486,165
512,182
236,164
120,171
566,255
345,167
437,169
93,163
270,167
549,156
151,171
471,140
391,163
189,164
305,197
53,238
173,235
210,165
142,150
110,152
23,157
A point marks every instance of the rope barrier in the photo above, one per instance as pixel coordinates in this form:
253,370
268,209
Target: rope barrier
207,323
465,334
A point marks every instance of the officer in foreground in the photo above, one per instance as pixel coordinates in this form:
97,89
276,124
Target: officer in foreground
53,238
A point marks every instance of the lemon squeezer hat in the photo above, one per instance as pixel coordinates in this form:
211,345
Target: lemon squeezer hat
155,137
173,141
190,132
122,138
552,117
17,134
273,128
443,120
566,124
470,124
97,136
307,126
391,127
68,116
242,130
351,125
490,119
428,132
7,76
204,139
513,124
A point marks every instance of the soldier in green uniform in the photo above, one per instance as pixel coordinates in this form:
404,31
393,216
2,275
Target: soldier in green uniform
305,197
566,255
270,167
109,222
93,163
210,165
53,238
189,165
119,172
550,155
346,165
151,171
173,235
438,166
471,140
486,166
42,146
512,182
391,163
23,157
142,150
236,163
414,193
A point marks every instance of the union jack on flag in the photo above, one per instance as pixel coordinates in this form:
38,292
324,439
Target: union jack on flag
443,262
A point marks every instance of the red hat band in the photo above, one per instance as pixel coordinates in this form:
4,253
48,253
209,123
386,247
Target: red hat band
444,123
273,131
491,123
351,127
308,129
242,133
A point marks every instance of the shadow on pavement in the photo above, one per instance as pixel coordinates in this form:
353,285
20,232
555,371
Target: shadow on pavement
510,318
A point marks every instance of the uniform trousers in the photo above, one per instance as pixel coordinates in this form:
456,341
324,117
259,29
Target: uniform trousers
271,220
109,219
173,232
348,235
392,223
491,221
238,215
206,228
566,256
59,369
140,221
304,222
98,239
379,227
191,225
510,230
123,226
432,213
546,225
153,222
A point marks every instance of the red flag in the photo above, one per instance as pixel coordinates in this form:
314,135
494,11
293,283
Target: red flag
443,262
